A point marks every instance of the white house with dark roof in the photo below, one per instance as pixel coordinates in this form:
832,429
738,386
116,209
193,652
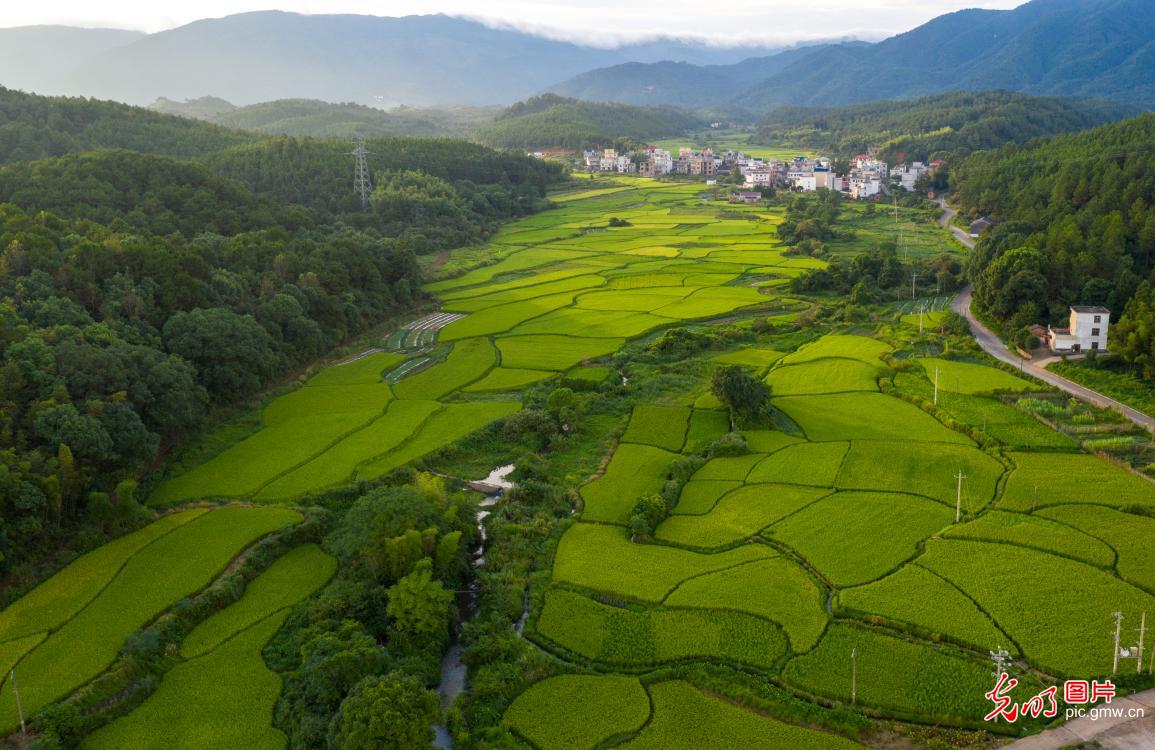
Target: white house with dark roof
1086,332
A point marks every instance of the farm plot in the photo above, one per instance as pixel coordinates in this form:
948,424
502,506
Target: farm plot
337,465
1067,604
171,567
319,400
895,674
710,301
1129,535
480,301
1038,533
1085,479
823,376
635,470
361,371
738,515
630,301
928,469
224,654
917,597
864,416
519,261
602,558
295,576
221,701
732,468
814,464
750,357
1000,421
244,468
969,378
638,636
686,718
705,426
578,712
777,589
848,347
700,496
468,361
659,426
502,318
551,352
855,537
506,379
54,602
592,323
768,441
447,426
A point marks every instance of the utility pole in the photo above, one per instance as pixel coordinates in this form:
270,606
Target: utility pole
362,179
1035,499
19,707
853,676
1142,631
1118,633
958,498
913,279
920,309
1000,656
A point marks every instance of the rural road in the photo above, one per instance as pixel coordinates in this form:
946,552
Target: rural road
994,346
944,220
1112,733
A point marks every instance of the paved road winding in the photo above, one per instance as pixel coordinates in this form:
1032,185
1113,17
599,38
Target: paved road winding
994,346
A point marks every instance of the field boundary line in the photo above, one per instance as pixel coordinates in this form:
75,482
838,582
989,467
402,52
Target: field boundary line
978,605
119,569
340,438
408,439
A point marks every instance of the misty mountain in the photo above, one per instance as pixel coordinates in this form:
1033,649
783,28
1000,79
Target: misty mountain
1087,48
679,83
269,55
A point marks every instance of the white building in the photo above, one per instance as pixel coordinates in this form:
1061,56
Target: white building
908,174
1087,331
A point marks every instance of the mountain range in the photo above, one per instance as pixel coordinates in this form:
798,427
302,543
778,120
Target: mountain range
268,55
1086,48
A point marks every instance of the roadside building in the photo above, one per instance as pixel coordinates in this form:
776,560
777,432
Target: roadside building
1086,331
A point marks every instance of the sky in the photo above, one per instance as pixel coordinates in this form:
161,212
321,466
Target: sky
602,22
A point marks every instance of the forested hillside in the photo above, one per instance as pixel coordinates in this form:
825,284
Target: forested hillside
140,293
33,127
554,121
935,126
328,120
1075,226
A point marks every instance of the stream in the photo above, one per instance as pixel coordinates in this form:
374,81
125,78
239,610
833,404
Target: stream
453,670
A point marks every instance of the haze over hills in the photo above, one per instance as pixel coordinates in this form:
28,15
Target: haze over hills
1102,48
263,56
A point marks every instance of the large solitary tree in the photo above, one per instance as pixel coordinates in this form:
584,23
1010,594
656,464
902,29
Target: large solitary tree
747,396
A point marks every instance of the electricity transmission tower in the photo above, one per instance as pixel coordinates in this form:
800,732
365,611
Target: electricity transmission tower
362,179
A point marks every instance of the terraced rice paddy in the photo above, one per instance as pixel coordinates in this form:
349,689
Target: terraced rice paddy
222,696
84,613
771,561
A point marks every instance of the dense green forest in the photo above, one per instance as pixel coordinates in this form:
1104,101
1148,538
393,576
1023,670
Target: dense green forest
34,127
554,121
140,294
933,127
1075,225
329,120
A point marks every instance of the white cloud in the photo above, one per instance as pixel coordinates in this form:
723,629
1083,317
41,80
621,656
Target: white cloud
601,21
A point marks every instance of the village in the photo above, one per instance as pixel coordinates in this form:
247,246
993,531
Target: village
865,177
